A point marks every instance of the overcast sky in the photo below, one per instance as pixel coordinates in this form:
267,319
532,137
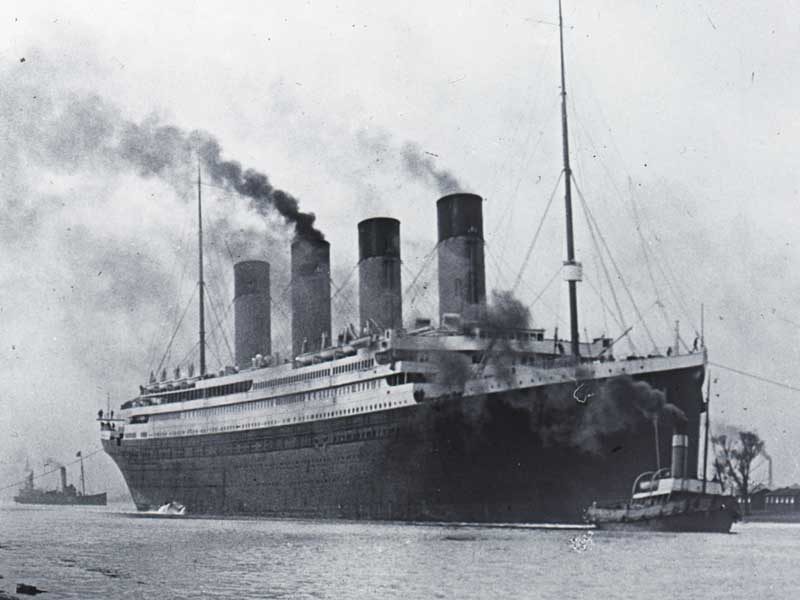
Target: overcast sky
686,111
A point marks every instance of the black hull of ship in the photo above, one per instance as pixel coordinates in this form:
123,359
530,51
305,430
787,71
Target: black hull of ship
62,499
526,456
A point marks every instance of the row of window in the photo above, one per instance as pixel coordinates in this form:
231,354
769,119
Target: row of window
780,499
193,394
232,427
355,366
265,445
262,404
292,379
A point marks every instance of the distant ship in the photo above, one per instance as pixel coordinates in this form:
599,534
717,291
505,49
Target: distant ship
464,419
28,494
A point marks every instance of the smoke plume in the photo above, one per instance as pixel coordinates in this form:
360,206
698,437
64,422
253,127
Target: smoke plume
384,151
587,413
422,166
453,369
506,311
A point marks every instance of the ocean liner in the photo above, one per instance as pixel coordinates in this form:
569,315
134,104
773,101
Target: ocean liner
470,419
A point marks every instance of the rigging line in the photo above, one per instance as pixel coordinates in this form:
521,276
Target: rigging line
676,294
604,304
756,377
614,264
680,296
421,293
174,333
620,314
545,288
676,289
528,157
213,349
51,471
344,300
607,170
536,235
636,224
599,291
503,172
175,307
425,261
646,252
189,353
212,303
498,268
213,293
344,282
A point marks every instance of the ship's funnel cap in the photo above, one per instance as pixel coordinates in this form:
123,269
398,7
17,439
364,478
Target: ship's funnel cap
379,236
460,214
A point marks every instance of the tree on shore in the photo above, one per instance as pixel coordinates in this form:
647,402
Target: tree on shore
734,454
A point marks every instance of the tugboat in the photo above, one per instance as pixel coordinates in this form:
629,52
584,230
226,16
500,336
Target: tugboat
668,500
29,494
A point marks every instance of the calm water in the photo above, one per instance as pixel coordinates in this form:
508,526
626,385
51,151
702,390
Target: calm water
83,552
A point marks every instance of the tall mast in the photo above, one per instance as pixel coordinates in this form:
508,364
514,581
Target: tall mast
705,433
200,270
572,271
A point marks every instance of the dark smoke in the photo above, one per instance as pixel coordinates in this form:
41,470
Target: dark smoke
453,369
155,149
677,416
256,186
586,413
423,167
619,405
506,311
86,131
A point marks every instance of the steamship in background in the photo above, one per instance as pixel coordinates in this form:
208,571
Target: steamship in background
66,494
460,420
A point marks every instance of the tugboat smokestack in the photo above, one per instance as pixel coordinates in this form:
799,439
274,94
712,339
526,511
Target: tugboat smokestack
63,471
680,453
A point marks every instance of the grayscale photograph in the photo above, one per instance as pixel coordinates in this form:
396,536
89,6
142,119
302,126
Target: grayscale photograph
372,300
